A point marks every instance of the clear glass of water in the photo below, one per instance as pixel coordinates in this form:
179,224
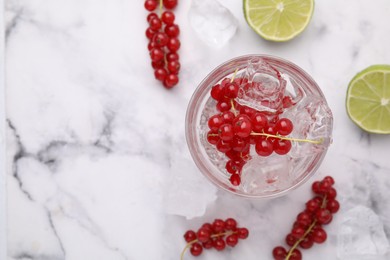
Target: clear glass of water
305,106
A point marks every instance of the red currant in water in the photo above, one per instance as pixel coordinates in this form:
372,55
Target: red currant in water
259,122
227,117
212,137
150,5
242,128
168,17
216,92
235,179
296,255
223,106
233,166
223,146
225,132
284,126
215,122
231,90
240,144
282,147
170,4
264,147
196,249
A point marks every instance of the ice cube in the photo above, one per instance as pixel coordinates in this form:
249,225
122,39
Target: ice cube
361,235
212,22
264,87
265,174
312,121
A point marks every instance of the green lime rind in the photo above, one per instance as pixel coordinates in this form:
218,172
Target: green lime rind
280,27
368,99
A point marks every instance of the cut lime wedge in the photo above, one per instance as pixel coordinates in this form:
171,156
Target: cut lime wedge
368,99
278,20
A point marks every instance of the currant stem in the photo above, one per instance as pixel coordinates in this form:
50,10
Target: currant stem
161,7
319,141
196,240
323,204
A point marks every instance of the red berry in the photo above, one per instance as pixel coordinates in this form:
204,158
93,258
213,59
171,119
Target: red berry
230,224
287,102
264,147
172,30
212,137
298,232
307,242
232,240
319,235
172,56
189,236
312,205
156,54
203,234
171,80
168,17
324,187
333,206
279,253
173,44
151,16
196,249
270,129
304,219
259,122
218,225
170,4
150,5
151,45
219,244
173,66
332,193
242,233
235,179
158,64
216,92
233,155
223,146
207,226
247,111
208,244
215,122
150,33
160,74
242,128
323,216
290,239
240,144
329,179
160,39
155,23
284,126
223,106
296,255
316,187
231,90
282,147
233,166
227,117
225,132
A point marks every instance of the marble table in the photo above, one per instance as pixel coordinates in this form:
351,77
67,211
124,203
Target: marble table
97,167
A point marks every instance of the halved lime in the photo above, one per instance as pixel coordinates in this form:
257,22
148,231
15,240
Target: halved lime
368,99
278,20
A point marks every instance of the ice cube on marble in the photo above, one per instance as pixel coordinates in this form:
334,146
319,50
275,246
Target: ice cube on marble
361,235
263,88
213,23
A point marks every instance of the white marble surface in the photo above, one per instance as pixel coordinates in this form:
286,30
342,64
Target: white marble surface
96,156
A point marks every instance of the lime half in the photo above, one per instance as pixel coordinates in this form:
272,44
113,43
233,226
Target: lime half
368,99
278,20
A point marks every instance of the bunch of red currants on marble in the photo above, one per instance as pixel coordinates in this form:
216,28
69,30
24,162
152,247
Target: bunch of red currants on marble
308,227
163,41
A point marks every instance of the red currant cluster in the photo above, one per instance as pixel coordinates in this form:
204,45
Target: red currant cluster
163,42
236,127
212,236
307,228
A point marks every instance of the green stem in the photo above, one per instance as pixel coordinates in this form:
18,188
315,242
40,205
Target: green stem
319,141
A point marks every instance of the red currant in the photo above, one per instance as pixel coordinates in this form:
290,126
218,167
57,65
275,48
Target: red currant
170,4
216,92
247,111
312,205
196,249
173,44
304,219
158,64
298,232
264,147
316,187
203,234
232,240
150,5
150,33
227,117
219,244
282,147
173,66
189,236
160,74
290,240
218,225
225,132
156,54
284,126
223,106
323,216
212,137
332,193
172,31
242,128
329,179
208,244
296,255
242,233
151,16
259,122
319,235
155,23
231,90
235,179
171,80
223,146
172,56
215,122
307,242
233,166
333,206
279,253
168,17
230,224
